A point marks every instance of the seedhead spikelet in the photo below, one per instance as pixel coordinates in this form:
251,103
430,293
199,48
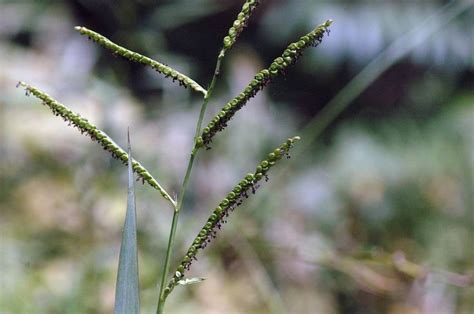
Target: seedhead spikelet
249,184
182,79
263,78
85,127
239,24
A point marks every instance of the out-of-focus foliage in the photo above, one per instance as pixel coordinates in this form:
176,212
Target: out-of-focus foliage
375,216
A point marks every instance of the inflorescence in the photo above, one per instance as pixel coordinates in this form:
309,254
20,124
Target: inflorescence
96,135
240,23
136,57
228,205
263,78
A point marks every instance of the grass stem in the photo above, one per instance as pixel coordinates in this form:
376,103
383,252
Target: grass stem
182,192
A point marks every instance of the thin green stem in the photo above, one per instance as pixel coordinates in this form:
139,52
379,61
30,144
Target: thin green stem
182,192
208,94
162,298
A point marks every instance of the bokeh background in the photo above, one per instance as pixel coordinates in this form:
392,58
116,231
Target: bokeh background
372,214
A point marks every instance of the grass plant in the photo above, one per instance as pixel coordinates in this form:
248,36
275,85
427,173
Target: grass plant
127,289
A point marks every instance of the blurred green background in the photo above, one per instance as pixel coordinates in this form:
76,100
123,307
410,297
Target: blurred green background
372,214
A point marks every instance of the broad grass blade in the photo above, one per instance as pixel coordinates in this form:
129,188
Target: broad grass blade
127,299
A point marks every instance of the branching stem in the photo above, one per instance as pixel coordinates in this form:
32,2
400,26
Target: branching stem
182,192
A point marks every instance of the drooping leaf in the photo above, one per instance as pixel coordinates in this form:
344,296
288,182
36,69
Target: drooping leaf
127,299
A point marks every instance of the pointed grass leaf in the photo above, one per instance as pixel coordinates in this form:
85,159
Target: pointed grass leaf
127,299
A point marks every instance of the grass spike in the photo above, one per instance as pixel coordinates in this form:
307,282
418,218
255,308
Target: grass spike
290,56
96,135
136,57
239,24
249,184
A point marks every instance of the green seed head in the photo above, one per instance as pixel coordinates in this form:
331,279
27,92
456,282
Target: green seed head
136,57
300,44
259,76
199,142
328,23
249,177
224,203
209,228
244,184
261,79
227,42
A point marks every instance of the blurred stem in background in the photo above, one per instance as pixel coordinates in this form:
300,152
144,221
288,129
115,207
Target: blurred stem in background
387,58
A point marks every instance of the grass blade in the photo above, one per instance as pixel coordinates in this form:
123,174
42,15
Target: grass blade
127,299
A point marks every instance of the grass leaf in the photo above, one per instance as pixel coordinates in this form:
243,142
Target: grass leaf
127,299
